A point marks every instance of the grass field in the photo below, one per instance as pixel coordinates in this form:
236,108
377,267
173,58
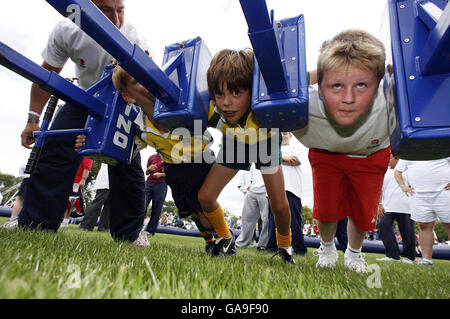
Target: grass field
76,265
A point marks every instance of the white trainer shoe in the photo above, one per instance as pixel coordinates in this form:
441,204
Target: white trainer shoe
355,261
12,223
424,262
65,223
142,240
328,256
406,261
388,259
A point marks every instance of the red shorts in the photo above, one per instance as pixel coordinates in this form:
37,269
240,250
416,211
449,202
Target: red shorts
348,186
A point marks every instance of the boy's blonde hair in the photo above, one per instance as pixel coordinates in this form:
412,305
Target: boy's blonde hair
234,67
355,48
121,79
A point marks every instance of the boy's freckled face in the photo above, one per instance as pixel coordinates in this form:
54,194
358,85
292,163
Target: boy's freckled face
234,106
348,94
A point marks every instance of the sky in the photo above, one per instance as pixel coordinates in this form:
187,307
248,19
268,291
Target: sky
25,26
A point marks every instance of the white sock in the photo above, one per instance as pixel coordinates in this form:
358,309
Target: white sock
327,245
353,250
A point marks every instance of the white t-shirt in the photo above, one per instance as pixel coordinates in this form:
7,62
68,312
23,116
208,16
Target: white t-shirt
67,40
363,140
102,181
256,181
292,174
22,170
244,181
394,199
426,176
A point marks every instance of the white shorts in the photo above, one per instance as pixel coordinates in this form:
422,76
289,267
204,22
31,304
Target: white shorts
428,207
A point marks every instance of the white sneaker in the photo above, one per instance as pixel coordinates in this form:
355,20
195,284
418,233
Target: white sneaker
65,222
355,261
406,261
388,259
328,256
12,223
424,262
142,240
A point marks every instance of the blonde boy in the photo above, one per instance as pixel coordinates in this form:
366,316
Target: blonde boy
229,83
349,142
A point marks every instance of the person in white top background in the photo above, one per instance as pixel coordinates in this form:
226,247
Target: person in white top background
394,206
429,188
255,207
99,205
291,154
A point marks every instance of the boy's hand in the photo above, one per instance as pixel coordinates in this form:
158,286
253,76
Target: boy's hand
79,142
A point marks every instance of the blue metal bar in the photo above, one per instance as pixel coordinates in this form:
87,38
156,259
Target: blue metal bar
177,62
264,42
100,84
428,12
131,57
81,131
49,80
435,57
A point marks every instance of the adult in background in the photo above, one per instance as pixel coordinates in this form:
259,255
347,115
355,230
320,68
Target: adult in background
155,190
429,188
75,204
49,187
341,234
99,206
394,206
256,205
293,184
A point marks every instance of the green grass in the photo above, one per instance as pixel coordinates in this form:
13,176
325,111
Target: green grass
74,264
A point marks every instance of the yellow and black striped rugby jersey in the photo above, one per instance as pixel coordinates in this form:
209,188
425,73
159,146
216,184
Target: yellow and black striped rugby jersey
174,149
250,134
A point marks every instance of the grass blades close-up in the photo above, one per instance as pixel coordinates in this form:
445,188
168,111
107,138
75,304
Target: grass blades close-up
72,264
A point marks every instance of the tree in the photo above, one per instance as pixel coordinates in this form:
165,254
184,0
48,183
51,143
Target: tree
169,207
307,214
440,231
6,182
